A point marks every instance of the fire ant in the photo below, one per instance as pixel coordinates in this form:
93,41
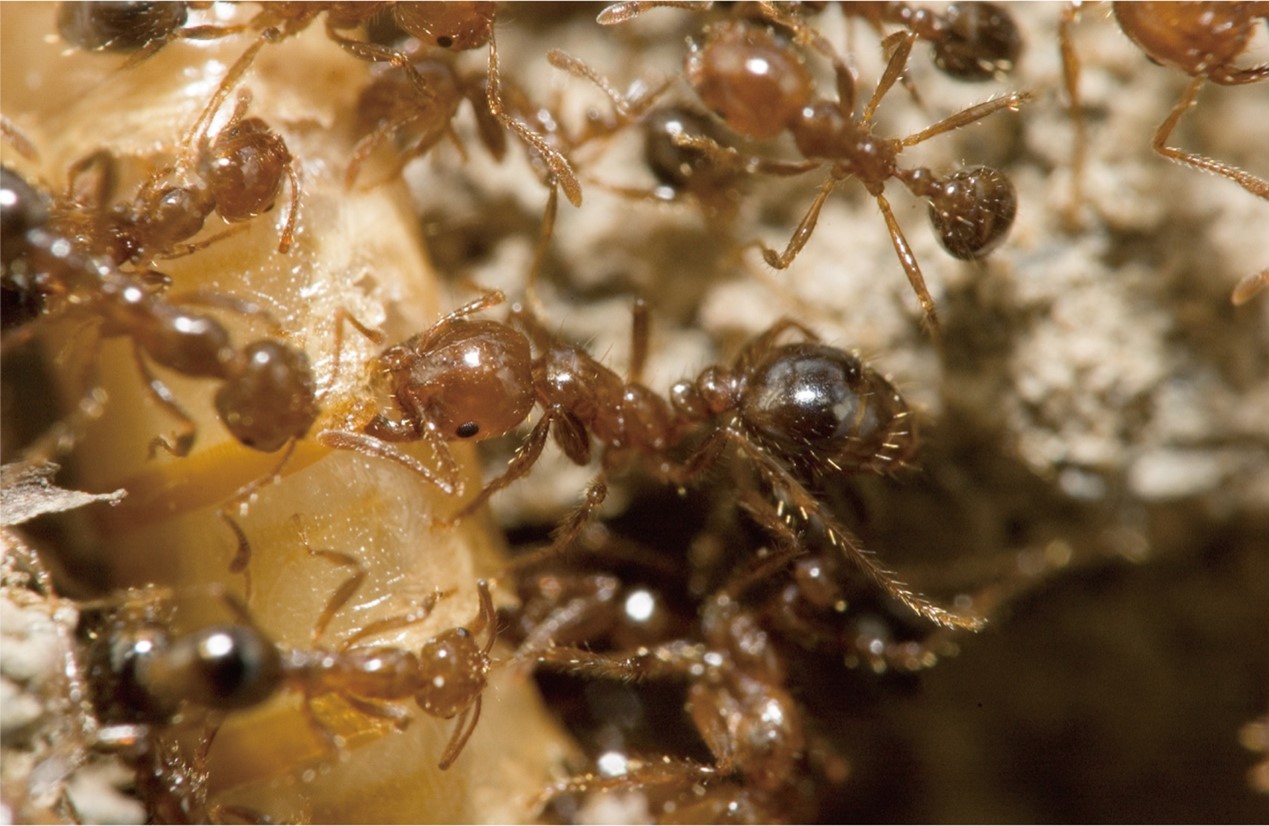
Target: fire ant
147,676
747,74
267,396
1202,40
237,174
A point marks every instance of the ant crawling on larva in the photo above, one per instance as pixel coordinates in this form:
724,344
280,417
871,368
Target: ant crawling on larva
144,675
747,73
238,174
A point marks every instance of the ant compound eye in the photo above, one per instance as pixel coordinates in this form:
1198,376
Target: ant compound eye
444,41
467,430
973,211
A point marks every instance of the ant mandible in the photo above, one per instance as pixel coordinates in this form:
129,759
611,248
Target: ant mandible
747,74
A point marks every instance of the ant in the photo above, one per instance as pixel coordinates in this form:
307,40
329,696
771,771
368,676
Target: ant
747,74
1202,40
237,174
147,676
267,394
393,102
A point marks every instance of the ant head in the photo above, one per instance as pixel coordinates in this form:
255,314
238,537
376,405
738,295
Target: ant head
456,667
972,211
221,667
271,399
450,25
981,42
118,27
470,379
753,81
819,405
245,168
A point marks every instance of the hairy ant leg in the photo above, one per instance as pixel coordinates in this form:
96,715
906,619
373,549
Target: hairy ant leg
1255,185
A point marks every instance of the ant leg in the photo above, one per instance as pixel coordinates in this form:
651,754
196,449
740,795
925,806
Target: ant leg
346,588
184,441
463,731
1247,288
910,266
398,716
758,347
807,507
368,144
803,232
292,216
487,619
1256,186
899,46
540,250
18,139
198,131
342,317
729,157
182,250
967,116
230,303
525,457
1071,80
396,623
560,168
368,445
241,562
639,335
628,108
617,13
664,661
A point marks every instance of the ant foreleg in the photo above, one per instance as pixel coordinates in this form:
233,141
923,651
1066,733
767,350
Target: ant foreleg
463,730
803,232
967,116
1256,186
525,457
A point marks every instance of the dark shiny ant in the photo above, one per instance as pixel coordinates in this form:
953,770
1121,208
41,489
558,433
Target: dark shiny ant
136,28
238,174
1201,39
146,675
747,74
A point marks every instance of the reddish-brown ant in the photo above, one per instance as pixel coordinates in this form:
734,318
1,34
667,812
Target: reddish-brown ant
144,674
969,41
746,73
267,395
737,699
237,174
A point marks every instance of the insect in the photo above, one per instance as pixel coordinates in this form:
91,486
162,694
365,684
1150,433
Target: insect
267,394
1203,40
747,74
238,173
146,675
393,106
968,41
